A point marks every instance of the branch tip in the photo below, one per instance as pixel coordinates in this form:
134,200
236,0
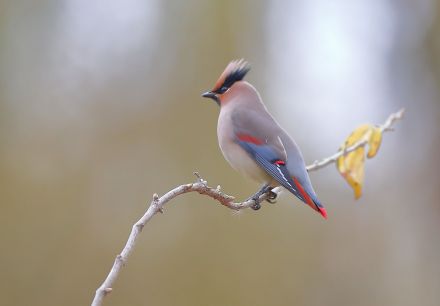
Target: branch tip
200,179
385,127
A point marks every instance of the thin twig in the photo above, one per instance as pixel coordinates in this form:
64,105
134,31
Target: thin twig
201,186
387,126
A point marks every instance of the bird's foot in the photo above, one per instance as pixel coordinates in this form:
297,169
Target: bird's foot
256,197
257,201
256,206
272,199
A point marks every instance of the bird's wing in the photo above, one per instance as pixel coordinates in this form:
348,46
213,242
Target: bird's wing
297,169
259,135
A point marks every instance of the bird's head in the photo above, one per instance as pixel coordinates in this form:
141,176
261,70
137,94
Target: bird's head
233,74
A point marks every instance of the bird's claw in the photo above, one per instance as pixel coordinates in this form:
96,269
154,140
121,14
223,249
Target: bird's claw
272,199
257,205
256,199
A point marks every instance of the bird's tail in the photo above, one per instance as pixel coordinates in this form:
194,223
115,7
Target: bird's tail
309,197
319,207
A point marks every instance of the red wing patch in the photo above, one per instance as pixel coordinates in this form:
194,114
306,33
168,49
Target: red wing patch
250,139
304,193
279,162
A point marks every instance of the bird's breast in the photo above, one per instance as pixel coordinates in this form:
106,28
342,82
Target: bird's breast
236,156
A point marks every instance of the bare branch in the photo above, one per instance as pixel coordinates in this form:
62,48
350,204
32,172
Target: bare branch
201,187
387,126
156,206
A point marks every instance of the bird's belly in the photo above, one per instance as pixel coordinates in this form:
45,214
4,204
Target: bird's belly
243,163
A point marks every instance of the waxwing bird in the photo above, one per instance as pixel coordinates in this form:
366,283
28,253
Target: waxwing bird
254,143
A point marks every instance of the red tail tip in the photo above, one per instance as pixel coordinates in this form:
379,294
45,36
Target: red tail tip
323,212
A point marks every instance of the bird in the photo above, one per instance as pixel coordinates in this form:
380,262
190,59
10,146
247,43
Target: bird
252,141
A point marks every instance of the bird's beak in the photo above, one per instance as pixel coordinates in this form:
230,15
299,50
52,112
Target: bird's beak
211,95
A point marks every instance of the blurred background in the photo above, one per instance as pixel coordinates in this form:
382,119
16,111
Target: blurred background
100,108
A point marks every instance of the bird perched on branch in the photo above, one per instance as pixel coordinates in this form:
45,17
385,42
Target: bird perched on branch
254,143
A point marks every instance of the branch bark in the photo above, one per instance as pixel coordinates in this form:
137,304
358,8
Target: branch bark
201,187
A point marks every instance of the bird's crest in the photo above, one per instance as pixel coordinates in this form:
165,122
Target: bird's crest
235,71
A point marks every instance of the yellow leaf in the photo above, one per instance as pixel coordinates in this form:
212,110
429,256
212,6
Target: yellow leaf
351,165
352,169
357,135
374,141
